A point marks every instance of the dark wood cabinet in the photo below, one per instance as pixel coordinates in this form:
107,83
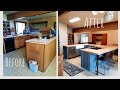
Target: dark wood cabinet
94,38
104,39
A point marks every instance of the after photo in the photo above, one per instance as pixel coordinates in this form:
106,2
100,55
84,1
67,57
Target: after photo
88,43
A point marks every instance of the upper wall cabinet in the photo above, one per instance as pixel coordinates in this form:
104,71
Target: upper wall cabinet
99,38
6,28
104,39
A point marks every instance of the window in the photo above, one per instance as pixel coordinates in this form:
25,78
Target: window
84,38
20,26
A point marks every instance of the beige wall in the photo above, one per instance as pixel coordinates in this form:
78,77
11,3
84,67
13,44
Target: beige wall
63,35
112,36
111,29
50,21
89,35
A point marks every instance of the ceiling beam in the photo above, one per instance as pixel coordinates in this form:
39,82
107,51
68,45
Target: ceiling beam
61,13
25,14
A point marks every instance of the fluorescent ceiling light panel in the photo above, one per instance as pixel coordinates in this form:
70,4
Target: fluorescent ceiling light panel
74,20
95,12
21,18
102,11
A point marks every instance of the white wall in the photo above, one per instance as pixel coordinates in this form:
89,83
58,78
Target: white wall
4,17
69,29
63,35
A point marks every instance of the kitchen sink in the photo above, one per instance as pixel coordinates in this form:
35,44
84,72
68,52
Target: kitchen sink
96,48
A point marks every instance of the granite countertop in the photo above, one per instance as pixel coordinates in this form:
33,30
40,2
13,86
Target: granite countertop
42,41
9,36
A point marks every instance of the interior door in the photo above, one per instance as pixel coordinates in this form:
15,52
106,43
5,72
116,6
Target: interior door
104,39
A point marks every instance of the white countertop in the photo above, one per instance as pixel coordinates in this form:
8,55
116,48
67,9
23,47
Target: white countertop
9,36
78,46
105,48
42,41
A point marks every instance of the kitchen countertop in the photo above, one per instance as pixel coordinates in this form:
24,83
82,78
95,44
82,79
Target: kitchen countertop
42,41
105,48
20,35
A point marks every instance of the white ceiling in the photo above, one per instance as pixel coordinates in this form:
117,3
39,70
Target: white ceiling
9,12
82,15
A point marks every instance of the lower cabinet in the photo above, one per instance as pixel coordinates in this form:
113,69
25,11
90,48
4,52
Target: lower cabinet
17,42
22,41
88,61
33,36
86,46
27,37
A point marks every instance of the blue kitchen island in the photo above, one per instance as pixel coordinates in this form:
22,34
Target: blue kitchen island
90,56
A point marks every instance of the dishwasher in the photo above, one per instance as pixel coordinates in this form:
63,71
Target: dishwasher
9,44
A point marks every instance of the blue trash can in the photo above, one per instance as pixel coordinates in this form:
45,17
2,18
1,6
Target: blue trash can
33,66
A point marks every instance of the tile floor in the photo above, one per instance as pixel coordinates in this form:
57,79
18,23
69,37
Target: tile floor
76,61
24,71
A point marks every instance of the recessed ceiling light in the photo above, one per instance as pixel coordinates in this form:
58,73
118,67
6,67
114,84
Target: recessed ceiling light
102,11
74,20
97,12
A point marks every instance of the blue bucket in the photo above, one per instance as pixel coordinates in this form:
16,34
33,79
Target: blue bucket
33,66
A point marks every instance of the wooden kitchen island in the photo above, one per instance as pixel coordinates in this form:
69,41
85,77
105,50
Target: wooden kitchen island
42,51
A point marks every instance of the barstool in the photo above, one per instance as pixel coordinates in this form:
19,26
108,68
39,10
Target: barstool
115,53
103,61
